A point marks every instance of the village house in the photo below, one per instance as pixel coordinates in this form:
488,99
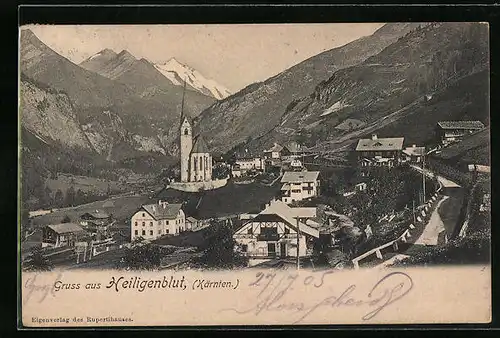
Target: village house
291,150
413,154
60,235
246,163
193,223
236,171
273,233
452,131
383,152
97,221
155,220
299,185
273,155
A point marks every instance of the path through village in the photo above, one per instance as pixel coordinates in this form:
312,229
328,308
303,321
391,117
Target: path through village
433,228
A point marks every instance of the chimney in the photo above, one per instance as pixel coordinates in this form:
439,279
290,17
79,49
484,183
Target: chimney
374,137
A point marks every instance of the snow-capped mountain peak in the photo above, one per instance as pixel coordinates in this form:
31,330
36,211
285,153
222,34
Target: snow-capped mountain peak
176,72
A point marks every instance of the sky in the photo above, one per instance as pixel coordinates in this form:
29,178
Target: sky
232,55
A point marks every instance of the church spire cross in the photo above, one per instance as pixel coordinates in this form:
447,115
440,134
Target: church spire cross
182,104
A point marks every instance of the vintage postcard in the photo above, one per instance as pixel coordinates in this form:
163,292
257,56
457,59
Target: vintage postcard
260,174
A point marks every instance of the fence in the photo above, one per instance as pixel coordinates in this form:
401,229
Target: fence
403,238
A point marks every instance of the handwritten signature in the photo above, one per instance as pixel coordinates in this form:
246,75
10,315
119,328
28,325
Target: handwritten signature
31,286
389,289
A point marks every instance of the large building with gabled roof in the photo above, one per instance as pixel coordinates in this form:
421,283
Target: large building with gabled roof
155,220
272,233
376,151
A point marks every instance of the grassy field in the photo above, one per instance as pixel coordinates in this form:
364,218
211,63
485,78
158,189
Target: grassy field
122,207
84,183
228,200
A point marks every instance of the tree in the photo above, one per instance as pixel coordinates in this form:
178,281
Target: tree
146,256
349,237
66,219
70,197
220,248
220,172
59,198
36,261
47,197
79,197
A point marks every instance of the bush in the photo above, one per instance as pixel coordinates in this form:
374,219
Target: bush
36,261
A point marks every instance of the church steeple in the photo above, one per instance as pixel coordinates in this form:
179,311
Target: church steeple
186,141
182,104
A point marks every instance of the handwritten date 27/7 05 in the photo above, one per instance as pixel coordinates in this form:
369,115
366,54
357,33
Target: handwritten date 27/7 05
274,289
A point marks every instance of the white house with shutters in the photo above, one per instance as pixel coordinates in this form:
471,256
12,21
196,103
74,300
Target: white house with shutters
272,233
155,220
299,185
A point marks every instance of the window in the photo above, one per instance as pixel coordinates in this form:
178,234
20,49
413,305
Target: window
167,222
287,230
150,224
166,231
244,247
143,215
201,163
143,232
143,223
151,232
159,232
186,131
135,224
250,231
195,163
159,222
136,232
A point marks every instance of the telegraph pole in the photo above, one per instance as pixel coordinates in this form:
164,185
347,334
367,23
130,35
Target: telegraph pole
414,219
298,235
423,177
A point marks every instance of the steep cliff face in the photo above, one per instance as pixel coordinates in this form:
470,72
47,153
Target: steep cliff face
144,104
259,108
50,116
424,68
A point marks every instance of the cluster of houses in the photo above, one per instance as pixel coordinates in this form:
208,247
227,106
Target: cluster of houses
91,227
389,152
280,230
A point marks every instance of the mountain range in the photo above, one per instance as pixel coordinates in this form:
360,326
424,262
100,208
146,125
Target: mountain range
141,74
115,108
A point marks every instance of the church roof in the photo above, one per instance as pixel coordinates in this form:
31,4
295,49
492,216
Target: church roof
199,146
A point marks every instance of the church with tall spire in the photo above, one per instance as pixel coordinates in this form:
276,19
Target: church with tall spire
196,160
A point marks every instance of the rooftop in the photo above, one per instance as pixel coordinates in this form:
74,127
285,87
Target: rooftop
293,147
461,125
414,151
97,214
374,144
163,210
199,146
299,176
276,147
288,215
64,228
